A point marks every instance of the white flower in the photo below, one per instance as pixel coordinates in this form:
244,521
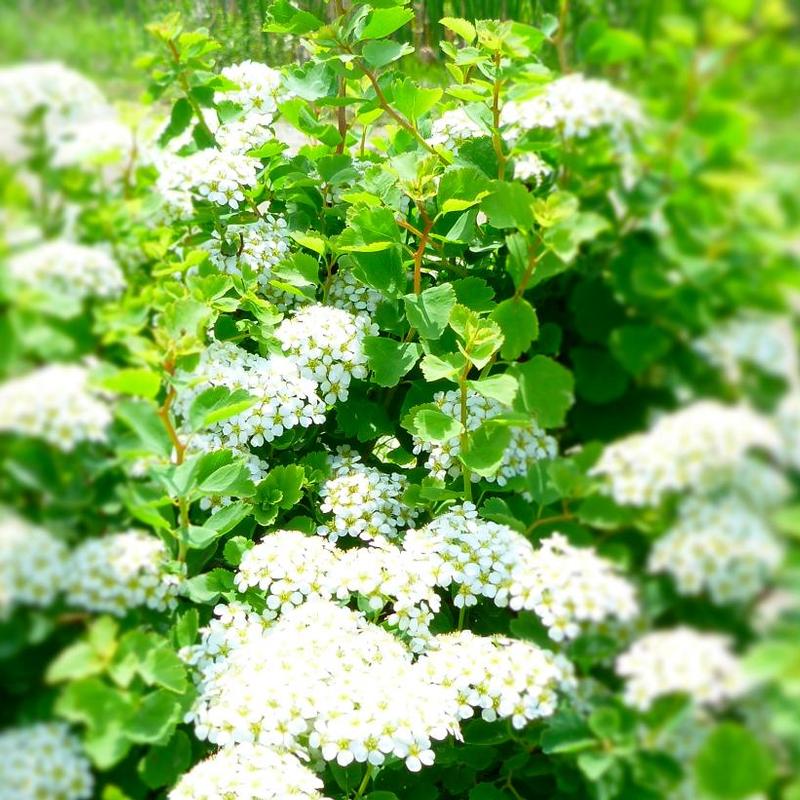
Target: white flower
722,546
248,772
531,168
347,293
575,106
258,88
63,268
529,443
758,339
258,247
54,403
31,564
320,680
454,127
120,571
284,398
681,660
327,345
43,761
689,448
364,502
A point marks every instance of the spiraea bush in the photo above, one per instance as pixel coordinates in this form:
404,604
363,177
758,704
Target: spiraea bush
367,439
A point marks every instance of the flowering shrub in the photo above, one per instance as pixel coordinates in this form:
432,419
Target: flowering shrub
369,439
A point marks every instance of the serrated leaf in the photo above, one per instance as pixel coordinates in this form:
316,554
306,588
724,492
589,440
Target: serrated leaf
429,311
502,388
389,359
520,326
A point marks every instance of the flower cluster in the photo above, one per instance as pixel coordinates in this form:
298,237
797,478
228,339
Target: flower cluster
118,572
502,678
290,567
67,269
256,248
575,106
320,679
565,586
722,546
107,144
347,293
530,168
54,403
216,176
364,501
248,772
454,127
327,344
43,762
283,399
31,564
688,448
681,660
65,98
529,443
760,340
257,89
570,587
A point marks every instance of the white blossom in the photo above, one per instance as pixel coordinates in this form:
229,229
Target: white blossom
283,398
686,449
497,676
347,293
364,502
256,248
454,127
722,546
758,339
327,344
530,168
120,571
43,761
66,269
529,443
573,105
31,564
248,772
54,403
684,660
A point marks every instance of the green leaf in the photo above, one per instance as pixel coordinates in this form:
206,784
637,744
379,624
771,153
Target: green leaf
508,206
520,325
179,119
77,661
567,733
235,548
485,448
414,100
142,418
466,30
502,388
207,588
137,382
288,481
232,479
487,791
228,517
447,366
217,404
162,667
162,766
637,347
379,54
390,360
431,424
546,390
186,627
733,763
384,21
429,311
154,719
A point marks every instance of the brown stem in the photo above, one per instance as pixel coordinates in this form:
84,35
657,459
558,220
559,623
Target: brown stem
529,270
